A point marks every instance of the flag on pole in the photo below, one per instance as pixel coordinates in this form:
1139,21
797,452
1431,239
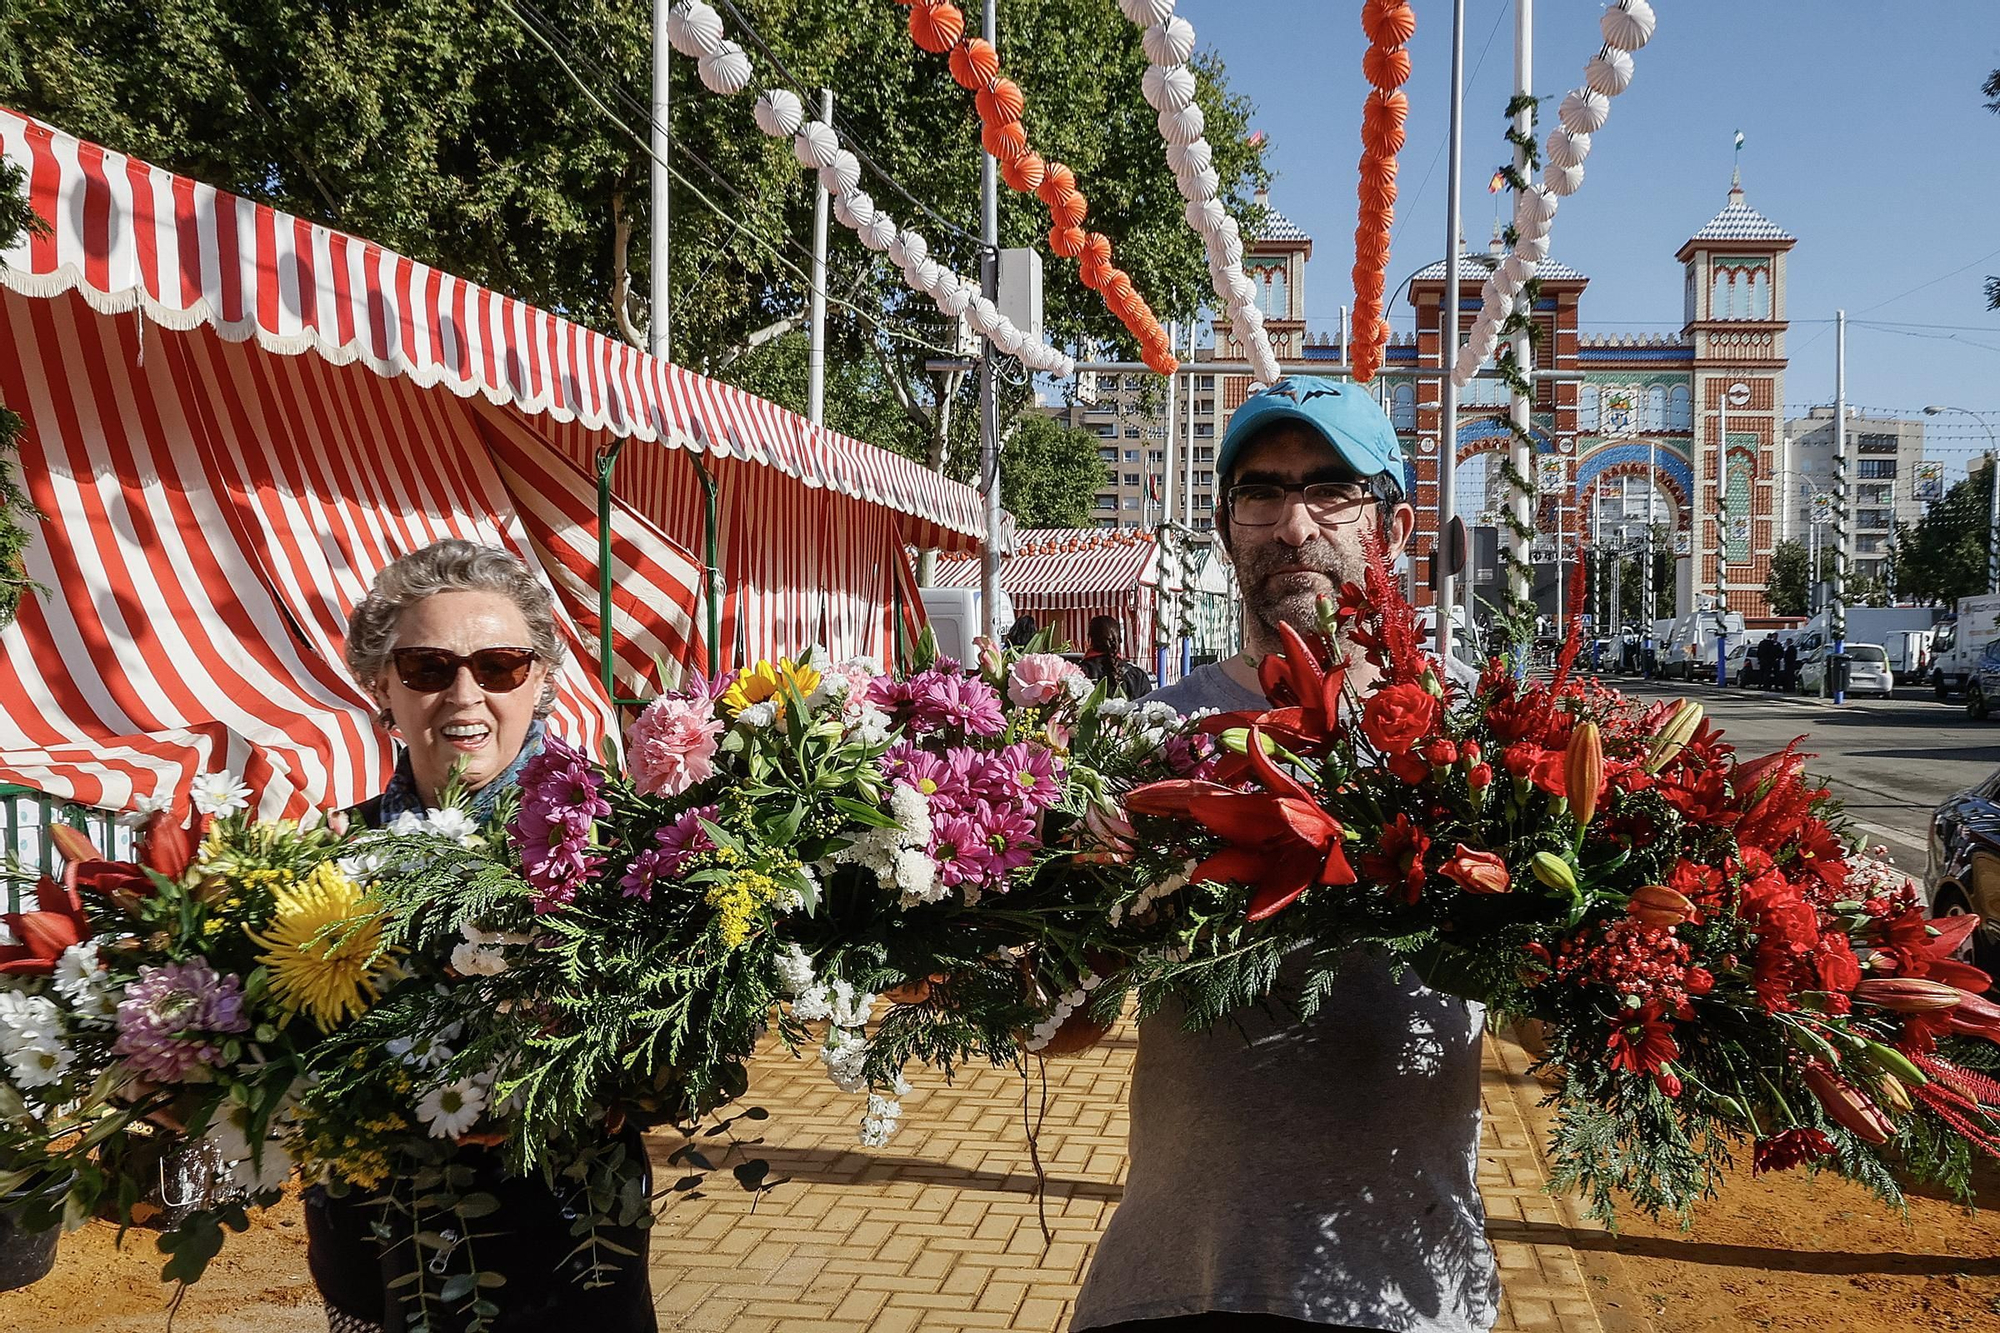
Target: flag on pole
1499,181
1739,138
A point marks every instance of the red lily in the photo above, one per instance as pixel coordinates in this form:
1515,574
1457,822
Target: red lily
1280,845
1907,948
56,923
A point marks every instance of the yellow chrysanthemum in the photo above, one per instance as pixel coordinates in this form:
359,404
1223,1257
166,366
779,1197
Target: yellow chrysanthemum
755,684
321,947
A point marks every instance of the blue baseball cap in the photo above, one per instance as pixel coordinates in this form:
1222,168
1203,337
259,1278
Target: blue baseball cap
1345,415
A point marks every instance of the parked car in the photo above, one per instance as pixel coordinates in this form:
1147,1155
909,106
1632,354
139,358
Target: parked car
1962,871
1867,670
1982,687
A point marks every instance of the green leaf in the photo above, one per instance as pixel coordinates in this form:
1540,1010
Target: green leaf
456,1287
477,1205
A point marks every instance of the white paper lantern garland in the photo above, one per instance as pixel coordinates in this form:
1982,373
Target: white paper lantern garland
1169,88
694,29
1627,26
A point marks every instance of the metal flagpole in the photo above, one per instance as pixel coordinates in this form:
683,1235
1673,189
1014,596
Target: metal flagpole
1837,611
816,362
659,324
1447,454
1722,550
989,406
1647,600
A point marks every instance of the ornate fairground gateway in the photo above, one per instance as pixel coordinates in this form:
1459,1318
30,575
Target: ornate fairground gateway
1649,412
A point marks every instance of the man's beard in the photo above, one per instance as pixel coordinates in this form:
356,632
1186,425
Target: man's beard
1291,598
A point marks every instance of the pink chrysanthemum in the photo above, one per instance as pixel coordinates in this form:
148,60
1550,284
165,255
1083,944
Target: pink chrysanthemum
945,701
1021,775
170,1016
560,800
675,845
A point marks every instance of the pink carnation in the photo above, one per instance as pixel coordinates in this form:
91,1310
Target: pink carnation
671,746
1038,678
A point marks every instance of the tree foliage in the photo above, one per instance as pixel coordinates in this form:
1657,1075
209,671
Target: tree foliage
1789,587
1049,472
443,129
1943,557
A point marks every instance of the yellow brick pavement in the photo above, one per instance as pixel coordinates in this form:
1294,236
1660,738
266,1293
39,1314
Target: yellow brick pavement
942,1230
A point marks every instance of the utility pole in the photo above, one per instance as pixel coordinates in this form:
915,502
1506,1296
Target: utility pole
1165,539
1647,601
816,360
659,325
1520,404
989,405
1722,551
1447,453
1837,612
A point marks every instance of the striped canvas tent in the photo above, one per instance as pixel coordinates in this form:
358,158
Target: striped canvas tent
1065,576
235,418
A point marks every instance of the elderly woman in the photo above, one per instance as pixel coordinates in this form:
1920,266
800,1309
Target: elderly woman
456,644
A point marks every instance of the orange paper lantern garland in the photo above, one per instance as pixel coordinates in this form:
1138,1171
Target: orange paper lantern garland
1386,65
975,65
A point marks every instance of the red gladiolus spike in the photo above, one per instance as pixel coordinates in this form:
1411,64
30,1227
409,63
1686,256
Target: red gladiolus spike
1268,771
1173,797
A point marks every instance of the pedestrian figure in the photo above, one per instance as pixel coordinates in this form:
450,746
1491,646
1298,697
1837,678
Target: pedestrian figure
1791,665
1023,632
1103,661
1767,663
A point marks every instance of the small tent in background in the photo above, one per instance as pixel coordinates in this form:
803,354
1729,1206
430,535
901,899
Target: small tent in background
1065,576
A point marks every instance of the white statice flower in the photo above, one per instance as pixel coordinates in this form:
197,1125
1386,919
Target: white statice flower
143,809
813,1004
26,1018
454,823
851,1007
870,725
81,980
451,1109
911,810
38,1063
219,794
917,878
1114,707
758,716
861,665
795,970
409,824
1157,714
845,1055
880,1121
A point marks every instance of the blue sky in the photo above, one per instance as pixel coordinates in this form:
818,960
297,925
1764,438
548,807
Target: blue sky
1867,138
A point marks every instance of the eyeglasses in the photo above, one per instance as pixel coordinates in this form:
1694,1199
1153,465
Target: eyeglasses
1328,503
496,670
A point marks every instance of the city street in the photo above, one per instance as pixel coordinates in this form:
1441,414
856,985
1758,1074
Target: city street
1889,761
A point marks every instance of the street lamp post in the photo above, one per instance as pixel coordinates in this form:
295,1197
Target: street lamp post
1993,493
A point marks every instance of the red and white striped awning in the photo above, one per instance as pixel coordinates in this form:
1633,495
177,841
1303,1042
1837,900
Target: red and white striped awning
1065,568
129,235
217,502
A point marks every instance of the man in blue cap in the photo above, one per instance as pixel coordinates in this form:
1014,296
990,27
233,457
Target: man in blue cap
1286,1174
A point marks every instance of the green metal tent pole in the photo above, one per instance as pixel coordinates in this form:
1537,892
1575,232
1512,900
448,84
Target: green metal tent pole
712,570
607,459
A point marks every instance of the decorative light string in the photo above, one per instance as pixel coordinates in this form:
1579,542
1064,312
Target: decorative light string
1386,65
1169,89
694,29
939,27
1627,26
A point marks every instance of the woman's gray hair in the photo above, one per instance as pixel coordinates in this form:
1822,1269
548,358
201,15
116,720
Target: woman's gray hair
451,565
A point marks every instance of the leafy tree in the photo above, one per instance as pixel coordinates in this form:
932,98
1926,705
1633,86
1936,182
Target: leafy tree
1789,587
1943,557
444,129
1049,473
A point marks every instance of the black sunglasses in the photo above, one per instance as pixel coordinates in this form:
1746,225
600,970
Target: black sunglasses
496,670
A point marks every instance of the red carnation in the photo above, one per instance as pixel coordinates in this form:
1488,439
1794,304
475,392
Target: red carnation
1396,717
1441,753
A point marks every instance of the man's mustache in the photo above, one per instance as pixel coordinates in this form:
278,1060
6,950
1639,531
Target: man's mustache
1319,561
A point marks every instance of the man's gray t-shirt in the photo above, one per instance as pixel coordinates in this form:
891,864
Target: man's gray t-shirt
1322,1171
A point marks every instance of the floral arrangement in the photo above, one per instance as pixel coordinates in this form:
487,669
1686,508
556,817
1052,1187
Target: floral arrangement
1713,959
183,994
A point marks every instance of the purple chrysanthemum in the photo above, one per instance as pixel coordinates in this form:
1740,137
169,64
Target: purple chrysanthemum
560,800
1007,841
170,1015
958,845
943,778
676,844
944,701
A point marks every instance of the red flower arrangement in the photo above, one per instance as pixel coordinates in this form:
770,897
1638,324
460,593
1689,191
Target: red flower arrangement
1713,959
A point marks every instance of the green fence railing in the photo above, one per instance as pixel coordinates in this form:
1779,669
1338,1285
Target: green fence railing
26,850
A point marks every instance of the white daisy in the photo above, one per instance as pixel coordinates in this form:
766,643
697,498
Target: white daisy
219,794
452,1109
38,1063
26,1018
425,1052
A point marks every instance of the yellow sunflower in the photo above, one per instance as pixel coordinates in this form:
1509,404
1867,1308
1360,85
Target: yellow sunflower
322,946
755,684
